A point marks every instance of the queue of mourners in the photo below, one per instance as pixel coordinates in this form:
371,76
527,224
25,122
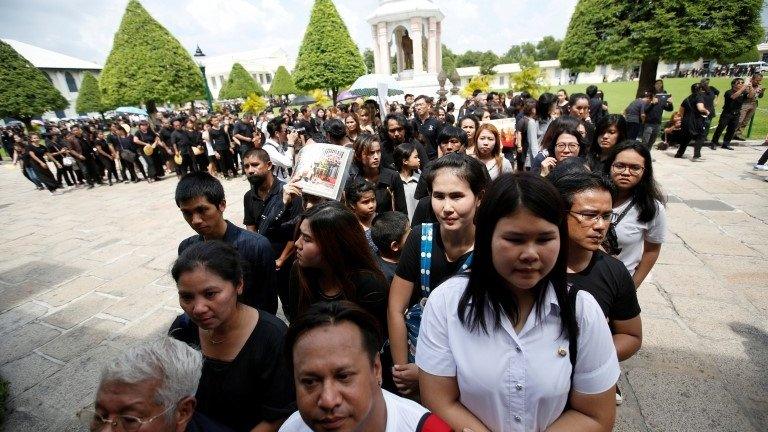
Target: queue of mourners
462,282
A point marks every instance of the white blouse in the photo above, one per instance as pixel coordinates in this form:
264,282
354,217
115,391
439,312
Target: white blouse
511,381
493,167
632,234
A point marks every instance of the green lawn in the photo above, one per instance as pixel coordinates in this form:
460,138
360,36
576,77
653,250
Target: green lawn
620,94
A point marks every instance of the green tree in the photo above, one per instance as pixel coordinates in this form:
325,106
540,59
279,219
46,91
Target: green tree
282,83
477,82
148,65
469,58
548,48
89,97
239,85
25,92
328,58
530,78
254,104
611,32
513,55
449,65
487,61
369,60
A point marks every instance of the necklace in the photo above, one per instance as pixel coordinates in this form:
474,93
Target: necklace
223,339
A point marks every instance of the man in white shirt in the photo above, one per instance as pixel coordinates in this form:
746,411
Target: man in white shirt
281,156
334,350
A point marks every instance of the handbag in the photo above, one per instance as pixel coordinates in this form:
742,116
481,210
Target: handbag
128,155
414,313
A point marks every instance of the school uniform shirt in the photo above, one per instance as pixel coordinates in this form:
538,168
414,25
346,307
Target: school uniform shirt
510,381
632,233
409,188
403,415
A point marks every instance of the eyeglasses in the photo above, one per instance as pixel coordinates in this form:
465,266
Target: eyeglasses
619,167
593,218
569,146
95,422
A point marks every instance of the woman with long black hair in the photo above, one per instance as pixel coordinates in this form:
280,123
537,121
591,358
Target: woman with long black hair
641,225
505,346
611,130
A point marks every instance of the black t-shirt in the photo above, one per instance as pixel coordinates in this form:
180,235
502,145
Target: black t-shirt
371,292
254,387
244,129
148,137
219,138
733,106
165,134
409,267
708,97
181,140
609,282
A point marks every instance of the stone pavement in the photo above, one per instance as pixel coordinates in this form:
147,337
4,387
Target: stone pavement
84,275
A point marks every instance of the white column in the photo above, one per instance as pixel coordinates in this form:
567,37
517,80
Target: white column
384,49
399,51
431,46
416,36
375,48
439,44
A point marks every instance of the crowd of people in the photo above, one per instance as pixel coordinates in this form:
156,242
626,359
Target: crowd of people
460,283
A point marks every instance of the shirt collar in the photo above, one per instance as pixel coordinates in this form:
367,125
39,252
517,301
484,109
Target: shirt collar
551,304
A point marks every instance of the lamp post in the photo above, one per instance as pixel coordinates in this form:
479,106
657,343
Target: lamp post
199,58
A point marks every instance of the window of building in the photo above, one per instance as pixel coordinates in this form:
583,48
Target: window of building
269,78
48,77
261,78
221,80
255,76
71,83
501,80
213,82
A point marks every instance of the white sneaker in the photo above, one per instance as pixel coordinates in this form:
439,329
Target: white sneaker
619,398
760,167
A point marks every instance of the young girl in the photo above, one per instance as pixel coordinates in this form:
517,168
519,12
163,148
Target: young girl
352,123
245,383
562,140
488,150
360,198
408,162
469,125
432,254
505,347
367,164
641,226
611,130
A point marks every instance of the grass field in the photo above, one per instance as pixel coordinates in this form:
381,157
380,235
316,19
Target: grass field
620,94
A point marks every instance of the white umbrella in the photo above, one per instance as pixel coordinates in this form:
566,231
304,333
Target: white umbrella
368,85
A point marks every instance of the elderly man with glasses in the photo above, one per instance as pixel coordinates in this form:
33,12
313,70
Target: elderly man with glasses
150,388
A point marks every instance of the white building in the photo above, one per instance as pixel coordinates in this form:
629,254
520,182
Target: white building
260,63
63,71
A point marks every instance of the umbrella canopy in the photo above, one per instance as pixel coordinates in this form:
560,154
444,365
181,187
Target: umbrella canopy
303,100
345,95
368,85
130,110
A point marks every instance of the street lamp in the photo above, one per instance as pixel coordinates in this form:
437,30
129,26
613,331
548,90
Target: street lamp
199,58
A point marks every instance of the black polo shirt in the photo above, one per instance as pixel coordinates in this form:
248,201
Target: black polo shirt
429,129
258,262
270,216
244,129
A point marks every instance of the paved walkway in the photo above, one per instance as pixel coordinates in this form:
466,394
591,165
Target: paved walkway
85,274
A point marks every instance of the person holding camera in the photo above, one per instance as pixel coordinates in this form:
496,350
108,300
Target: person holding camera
279,146
755,91
729,119
660,102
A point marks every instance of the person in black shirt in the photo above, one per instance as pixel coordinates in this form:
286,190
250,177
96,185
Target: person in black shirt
85,156
242,132
106,154
729,118
426,124
129,157
221,147
694,116
147,137
334,262
36,161
165,133
661,101
389,192
200,197
57,150
197,147
182,145
396,130
389,231
451,140
271,213
589,199
245,382
708,94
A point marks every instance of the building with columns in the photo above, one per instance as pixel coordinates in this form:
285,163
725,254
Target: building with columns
411,30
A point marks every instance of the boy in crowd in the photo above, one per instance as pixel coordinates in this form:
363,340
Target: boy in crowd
388,232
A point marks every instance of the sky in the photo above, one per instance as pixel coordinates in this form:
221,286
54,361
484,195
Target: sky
85,28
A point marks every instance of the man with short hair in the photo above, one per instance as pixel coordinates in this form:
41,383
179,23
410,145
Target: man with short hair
334,352
729,118
451,140
427,125
181,144
150,388
84,155
589,199
200,197
708,95
144,137
267,211
242,133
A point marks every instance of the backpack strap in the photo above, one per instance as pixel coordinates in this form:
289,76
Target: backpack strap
426,257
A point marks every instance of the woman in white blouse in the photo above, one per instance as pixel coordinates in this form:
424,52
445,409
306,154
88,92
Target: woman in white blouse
495,345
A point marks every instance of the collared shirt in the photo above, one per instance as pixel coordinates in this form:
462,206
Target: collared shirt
409,188
258,261
511,381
